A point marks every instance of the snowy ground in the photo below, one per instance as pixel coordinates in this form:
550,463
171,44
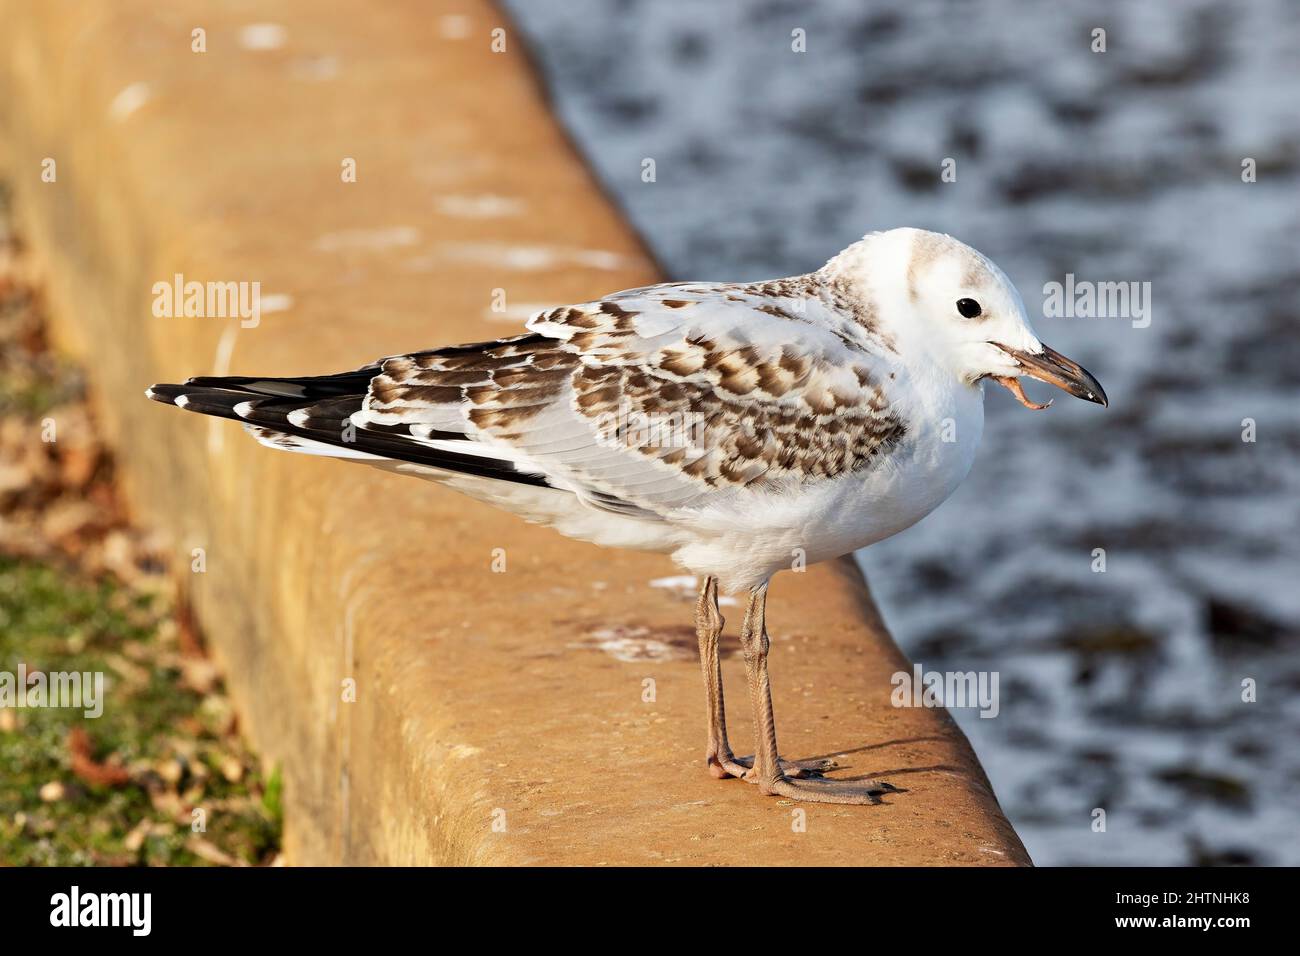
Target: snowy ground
1119,690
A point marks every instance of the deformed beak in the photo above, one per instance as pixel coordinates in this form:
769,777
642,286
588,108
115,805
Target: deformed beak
1054,368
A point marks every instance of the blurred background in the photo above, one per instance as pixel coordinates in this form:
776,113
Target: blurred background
84,591
1120,690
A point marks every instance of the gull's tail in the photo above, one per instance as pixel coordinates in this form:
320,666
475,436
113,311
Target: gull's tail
313,415
295,414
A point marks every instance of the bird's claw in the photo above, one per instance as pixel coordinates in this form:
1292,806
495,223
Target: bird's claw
743,767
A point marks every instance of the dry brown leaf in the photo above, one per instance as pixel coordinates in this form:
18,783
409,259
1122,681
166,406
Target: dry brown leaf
77,466
210,852
199,674
87,768
187,633
135,839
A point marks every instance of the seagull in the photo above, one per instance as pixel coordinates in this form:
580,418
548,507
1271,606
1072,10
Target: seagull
741,428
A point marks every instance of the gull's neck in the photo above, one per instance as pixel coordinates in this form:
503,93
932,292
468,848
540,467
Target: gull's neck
869,279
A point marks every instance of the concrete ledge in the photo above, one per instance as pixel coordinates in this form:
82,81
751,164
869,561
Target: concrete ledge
476,692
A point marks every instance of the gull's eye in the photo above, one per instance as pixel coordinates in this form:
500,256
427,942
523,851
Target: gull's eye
969,308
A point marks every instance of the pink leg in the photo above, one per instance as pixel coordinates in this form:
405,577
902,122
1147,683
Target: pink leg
769,771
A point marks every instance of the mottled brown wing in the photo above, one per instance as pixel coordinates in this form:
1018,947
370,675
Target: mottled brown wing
647,400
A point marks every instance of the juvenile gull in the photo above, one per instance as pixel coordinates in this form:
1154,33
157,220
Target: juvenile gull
736,427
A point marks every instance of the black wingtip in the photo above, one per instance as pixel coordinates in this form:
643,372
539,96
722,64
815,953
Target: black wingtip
164,394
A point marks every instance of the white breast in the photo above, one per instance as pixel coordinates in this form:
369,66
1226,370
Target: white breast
746,537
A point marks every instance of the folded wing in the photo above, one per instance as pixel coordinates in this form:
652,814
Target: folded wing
639,404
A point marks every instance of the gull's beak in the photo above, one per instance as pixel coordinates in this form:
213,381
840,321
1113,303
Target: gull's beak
1054,368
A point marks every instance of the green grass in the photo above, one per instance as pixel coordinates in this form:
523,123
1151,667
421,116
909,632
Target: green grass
178,745
32,381
32,396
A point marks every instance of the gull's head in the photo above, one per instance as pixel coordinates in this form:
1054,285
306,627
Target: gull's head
932,295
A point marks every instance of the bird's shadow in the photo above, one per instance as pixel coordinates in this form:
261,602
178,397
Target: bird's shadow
880,775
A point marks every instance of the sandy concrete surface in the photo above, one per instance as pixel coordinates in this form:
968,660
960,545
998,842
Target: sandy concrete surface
499,718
